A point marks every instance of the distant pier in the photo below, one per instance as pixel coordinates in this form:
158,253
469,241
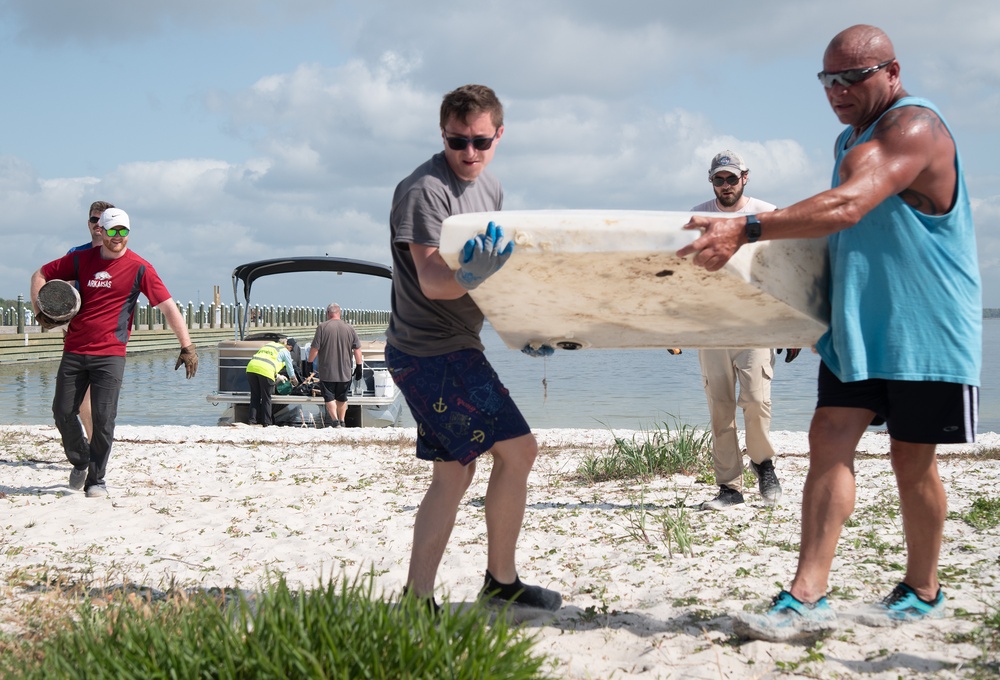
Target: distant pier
22,340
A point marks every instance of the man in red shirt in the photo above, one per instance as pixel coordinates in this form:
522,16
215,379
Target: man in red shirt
109,279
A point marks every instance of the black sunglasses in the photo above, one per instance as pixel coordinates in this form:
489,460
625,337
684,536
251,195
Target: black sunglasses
851,76
732,180
478,143
94,220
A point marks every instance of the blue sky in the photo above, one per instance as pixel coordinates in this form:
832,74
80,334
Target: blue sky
235,130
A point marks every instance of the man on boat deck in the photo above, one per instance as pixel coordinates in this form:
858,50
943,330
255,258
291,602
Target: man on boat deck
435,356
334,343
905,337
110,279
751,369
262,374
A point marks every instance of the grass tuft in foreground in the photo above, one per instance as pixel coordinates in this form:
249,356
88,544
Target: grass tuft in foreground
658,452
331,632
984,513
986,636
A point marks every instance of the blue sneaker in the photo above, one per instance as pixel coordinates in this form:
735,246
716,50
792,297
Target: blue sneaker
787,619
901,605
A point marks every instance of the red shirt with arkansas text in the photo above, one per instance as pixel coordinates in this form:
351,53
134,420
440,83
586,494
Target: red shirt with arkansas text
109,292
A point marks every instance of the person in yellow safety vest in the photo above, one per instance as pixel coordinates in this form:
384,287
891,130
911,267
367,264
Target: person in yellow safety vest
262,372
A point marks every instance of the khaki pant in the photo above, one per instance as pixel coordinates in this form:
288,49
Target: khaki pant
720,370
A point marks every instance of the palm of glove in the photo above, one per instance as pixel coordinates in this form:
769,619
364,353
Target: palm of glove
483,256
538,351
189,358
791,353
46,322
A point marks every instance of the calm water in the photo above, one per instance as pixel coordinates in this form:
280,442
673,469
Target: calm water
589,388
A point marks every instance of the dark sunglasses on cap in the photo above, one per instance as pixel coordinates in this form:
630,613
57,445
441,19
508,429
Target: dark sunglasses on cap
851,76
478,143
94,220
732,180
116,231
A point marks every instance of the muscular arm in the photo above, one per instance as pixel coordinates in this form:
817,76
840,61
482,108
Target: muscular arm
175,321
911,154
437,281
37,281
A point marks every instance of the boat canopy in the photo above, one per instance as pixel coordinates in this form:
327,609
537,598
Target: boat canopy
251,271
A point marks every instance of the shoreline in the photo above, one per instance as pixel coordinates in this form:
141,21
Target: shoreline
217,506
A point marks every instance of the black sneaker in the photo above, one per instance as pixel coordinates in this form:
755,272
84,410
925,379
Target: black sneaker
767,481
727,498
433,608
516,593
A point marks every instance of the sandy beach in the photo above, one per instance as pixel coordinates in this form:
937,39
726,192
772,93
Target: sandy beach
223,506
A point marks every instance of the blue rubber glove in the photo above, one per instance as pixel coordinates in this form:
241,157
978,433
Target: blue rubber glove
540,351
482,257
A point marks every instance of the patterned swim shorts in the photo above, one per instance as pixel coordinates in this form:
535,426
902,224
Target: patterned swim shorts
460,406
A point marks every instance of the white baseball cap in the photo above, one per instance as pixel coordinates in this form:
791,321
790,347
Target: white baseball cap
114,217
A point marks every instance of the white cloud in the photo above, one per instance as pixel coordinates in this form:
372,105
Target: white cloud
608,106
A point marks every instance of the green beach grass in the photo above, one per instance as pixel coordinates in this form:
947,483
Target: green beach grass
339,630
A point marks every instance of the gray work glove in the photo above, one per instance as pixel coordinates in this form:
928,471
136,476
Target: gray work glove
188,357
483,256
45,322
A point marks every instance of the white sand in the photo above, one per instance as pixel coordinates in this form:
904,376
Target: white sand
215,506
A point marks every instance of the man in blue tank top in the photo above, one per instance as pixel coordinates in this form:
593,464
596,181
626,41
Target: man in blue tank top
904,344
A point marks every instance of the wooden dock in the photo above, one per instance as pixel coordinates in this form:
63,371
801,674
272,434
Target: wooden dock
38,345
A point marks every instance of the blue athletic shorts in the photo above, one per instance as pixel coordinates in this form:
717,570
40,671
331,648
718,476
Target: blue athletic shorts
918,412
460,406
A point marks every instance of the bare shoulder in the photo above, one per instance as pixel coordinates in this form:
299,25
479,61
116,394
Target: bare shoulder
919,150
912,123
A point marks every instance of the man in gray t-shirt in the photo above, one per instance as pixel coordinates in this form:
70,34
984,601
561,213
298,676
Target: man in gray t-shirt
435,356
333,343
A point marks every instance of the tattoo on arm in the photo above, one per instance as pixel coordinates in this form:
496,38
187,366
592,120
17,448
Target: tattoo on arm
920,202
916,121
910,117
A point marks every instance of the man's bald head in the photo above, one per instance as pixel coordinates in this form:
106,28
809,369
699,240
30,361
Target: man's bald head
863,44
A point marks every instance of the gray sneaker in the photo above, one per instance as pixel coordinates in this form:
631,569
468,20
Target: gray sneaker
787,620
97,491
767,481
727,498
77,478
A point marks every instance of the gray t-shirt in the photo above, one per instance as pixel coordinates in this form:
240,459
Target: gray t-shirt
335,341
422,201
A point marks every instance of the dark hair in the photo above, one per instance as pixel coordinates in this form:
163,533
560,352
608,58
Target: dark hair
99,205
470,100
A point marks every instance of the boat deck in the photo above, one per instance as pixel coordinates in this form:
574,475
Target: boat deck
244,398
